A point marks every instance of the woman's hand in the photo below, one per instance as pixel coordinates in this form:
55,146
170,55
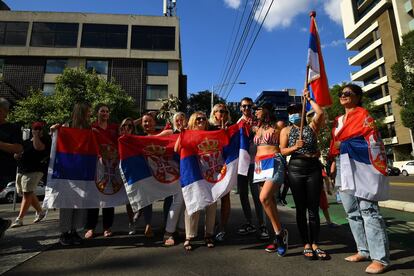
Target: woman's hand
337,144
55,127
333,170
299,144
306,94
17,156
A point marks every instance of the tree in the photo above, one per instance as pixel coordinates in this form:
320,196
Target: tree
201,101
403,73
169,106
74,85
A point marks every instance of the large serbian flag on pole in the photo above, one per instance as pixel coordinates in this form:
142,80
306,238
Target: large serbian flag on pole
316,68
83,173
210,163
363,162
149,168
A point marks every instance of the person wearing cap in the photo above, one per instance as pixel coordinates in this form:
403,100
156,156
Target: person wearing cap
32,164
269,173
244,181
10,143
305,174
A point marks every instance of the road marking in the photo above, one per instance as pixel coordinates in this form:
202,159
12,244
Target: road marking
402,184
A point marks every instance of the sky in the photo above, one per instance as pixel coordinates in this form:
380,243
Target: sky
277,60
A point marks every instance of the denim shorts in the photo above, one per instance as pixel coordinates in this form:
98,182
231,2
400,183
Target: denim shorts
275,173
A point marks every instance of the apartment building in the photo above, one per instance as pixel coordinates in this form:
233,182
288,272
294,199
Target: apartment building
141,53
373,29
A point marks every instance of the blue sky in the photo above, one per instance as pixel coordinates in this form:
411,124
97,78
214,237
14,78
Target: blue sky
277,60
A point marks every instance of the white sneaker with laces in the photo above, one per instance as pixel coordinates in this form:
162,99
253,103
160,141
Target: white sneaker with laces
17,223
39,216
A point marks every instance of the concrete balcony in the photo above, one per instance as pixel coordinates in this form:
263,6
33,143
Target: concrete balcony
360,40
375,84
365,54
389,119
390,141
367,71
383,100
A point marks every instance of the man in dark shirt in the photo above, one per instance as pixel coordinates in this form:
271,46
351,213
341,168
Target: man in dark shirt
10,143
31,164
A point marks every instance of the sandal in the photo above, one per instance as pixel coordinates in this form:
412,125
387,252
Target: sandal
308,254
322,255
209,242
108,233
187,245
169,240
89,234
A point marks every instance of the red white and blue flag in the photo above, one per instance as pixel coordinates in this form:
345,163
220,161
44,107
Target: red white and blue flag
150,168
316,74
83,173
210,163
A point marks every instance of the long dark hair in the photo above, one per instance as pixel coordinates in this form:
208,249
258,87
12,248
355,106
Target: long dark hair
80,118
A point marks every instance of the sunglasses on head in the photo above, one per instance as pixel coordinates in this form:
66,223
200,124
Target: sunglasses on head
222,111
247,106
199,119
345,93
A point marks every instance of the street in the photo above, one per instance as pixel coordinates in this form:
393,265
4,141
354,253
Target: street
402,188
33,249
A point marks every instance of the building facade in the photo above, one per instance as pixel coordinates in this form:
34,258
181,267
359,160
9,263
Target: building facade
280,100
373,29
141,53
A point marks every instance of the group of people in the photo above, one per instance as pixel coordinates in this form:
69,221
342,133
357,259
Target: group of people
272,144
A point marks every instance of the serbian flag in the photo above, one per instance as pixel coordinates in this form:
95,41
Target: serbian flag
210,163
316,74
149,167
82,172
363,162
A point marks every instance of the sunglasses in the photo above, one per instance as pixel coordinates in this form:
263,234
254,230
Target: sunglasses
128,125
222,111
199,119
345,94
247,106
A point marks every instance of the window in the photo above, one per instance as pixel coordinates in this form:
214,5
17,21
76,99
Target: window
13,33
55,66
54,34
157,68
104,36
156,92
1,67
48,89
153,38
100,66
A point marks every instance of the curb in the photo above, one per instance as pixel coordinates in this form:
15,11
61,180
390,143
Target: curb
398,205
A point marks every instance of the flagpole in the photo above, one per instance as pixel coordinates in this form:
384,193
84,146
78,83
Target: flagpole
312,15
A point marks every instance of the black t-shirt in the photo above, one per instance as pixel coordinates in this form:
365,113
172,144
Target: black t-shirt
33,160
9,133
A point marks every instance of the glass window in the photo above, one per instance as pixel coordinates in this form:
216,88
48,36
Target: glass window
153,38
13,33
156,92
157,68
100,66
56,66
58,35
48,89
104,36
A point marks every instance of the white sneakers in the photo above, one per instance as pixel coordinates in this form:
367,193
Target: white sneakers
19,222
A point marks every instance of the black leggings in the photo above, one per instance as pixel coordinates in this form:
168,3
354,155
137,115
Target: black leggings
107,218
305,179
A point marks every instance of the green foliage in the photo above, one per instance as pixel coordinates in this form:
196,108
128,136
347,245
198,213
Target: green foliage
201,101
403,73
74,85
169,106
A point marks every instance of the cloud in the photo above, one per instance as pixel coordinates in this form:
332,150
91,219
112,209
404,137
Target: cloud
234,4
334,43
333,9
282,13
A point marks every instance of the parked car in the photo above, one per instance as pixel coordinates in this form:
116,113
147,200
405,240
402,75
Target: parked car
7,193
408,168
393,171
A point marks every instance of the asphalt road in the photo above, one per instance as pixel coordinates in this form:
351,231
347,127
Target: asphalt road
402,188
33,249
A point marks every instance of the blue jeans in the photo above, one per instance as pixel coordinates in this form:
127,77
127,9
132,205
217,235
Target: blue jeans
368,227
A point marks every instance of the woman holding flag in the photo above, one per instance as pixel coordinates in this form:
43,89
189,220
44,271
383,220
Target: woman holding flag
269,172
360,167
305,174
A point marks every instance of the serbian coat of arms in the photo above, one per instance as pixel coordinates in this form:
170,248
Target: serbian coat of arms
162,166
108,176
211,161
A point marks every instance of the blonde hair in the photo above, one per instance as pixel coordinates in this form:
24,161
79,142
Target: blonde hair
126,120
176,115
212,120
193,117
